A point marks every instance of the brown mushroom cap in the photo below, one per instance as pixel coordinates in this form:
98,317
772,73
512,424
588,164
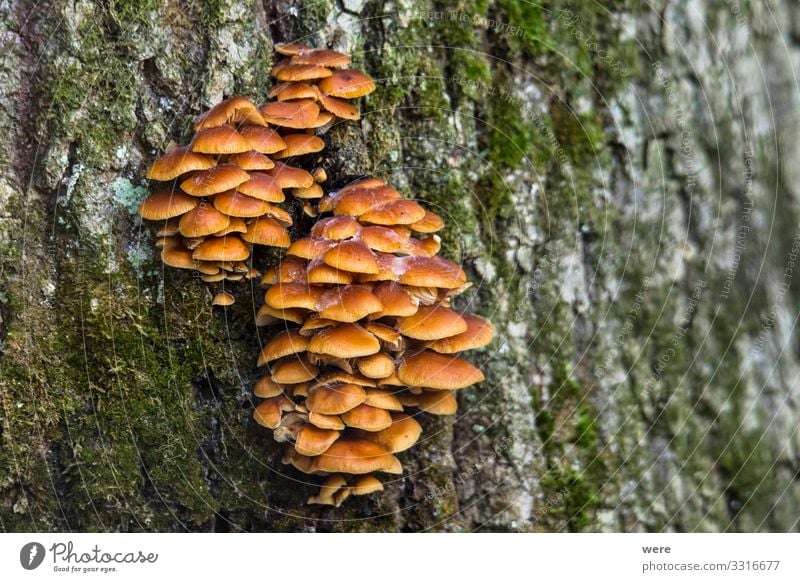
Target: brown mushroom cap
325,421
439,402
429,223
378,365
266,387
223,299
385,399
214,180
367,418
335,399
431,272
396,301
236,224
358,201
289,270
169,228
178,256
202,221
265,231
347,340
176,162
401,435
284,344
291,48
223,139
166,204
339,107
366,484
336,227
225,248
293,371
478,334
298,114
252,161
323,118
394,212
330,492
338,376
321,58
352,256
356,457
293,295
363,184
267,315
348,304
313,192
262,186
320,273
263,139
310,248
293,90
232,111
291,177
432,323
270,411
289,72
385,239
312,441
429,369
347,84
299,144
234,203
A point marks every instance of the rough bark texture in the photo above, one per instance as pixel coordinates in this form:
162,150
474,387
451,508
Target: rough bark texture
621,180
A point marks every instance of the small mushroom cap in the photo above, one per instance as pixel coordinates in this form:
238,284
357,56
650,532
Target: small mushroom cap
479,333
328,491
266,387
337,376
352,256
297,114
270,411
439,402
176,162
394,212
266,231
299,144
224,248
325,421
293,90
284,344
385,399
293,295
299,462
429,223
252,161
336,227
267,315
366,484
362,184
401,435
263,139
390,337
431,272
320,273
367,418
291,177
289,270
324,118
336,399
348,304
293,371
214,180
355,456
313,192
166,204
169,228
339,107
202,221
223,139
432,323
429,369
321,58
377,365
347,84
346,341
235,224
312,440
310,247
177,256
396,301
213,278
262,186
385,239
358,201
232,111
234,203
223,299
289,72
291,48
320,175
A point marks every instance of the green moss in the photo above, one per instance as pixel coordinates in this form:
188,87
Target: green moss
577,498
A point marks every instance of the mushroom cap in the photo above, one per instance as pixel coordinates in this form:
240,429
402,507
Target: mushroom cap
291,177
394,212
224,248
429,369
478,334
401,435
290,72
293,90
396,301
169,228
262,186
289,270
232,111
214,180
213,278
347,340
432,322
352,256
348,304
339,107
263,139
235,224
335,399
284,344
266,231
178,256
320,273
234,203
439,402
362,183
385,239
368,418
330,492
321,58
293,371
299,144
429,223
347,84
223,299
202,221
313,192
385,399
291,48
293,295
338,376
431,272
356,457
266,387
336,227
267,315
166,204
299,462
358,201
366,484
378,365
389,336
176,162
219,140
329,421
269,412
298,114
322,119
310,247
252,161
312,440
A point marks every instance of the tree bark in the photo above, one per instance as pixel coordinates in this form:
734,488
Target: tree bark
619,180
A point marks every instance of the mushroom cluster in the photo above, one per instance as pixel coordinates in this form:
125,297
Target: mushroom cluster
369,339
223,188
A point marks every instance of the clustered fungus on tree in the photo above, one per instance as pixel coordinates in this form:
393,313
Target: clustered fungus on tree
369,339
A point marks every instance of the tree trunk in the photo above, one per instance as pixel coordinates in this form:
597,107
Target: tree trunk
621,182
